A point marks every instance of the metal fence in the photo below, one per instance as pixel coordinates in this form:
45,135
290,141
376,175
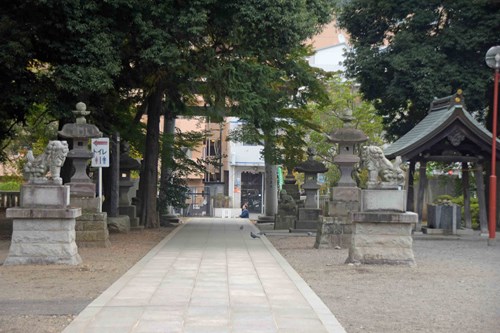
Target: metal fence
198,202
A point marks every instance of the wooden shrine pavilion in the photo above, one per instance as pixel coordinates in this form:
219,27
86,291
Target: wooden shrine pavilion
447,134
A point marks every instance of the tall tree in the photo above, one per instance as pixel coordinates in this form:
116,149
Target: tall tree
154,56
405,53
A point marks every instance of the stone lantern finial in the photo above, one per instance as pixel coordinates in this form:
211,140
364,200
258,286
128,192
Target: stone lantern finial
80,113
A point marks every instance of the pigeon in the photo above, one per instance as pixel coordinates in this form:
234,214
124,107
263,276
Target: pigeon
241,227
309,233
254,235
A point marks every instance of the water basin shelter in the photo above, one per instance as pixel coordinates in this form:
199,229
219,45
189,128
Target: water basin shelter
447,134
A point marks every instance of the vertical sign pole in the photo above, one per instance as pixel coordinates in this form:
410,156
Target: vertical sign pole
100,190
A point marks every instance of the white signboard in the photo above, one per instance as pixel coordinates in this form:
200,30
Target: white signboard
100,153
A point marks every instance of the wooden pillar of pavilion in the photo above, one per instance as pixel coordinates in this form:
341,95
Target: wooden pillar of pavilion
410,196
481,198
466,193
422,185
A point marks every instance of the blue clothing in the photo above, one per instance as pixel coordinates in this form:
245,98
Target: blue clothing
244,213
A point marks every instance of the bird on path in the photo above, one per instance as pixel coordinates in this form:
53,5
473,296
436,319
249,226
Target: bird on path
241,227
253,235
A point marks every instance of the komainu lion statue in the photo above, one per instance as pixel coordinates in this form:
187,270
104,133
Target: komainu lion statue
380,170
52,159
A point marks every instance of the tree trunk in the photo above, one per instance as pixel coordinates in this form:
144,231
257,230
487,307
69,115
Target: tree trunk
167,155
149,177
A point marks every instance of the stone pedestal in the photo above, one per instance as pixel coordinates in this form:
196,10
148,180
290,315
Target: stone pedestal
343,201
43,227
331,233
130,211
119,224
308,220
383,200
92,230
284,222
92,226
382,238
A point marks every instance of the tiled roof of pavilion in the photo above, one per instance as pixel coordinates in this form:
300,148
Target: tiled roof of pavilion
444,114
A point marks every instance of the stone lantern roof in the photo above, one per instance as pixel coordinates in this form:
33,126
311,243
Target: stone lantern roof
310,165
347,135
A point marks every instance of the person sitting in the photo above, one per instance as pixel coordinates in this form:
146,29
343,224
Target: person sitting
244,212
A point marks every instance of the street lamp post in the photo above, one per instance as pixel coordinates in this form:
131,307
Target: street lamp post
493,61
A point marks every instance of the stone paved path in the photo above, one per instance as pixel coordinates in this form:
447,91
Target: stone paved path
209,275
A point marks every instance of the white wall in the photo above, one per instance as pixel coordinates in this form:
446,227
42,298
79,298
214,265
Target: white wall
329,58
242,158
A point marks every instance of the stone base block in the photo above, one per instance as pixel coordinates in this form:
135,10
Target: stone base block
332,233
345,194
341,209
265,219
382,238
309,214
132,214
166,220
44,196
284,222
92,230
43,241
383,200
307,225
119,224
88,204
82,189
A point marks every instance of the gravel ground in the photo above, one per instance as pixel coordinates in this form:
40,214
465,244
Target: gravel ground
46,298
455,286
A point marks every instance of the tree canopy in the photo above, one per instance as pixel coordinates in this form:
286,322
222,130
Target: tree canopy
128,56
405,53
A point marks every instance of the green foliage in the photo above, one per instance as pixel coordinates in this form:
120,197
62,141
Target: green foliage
10,186
342,96
405,53
446,200
128,56
173,182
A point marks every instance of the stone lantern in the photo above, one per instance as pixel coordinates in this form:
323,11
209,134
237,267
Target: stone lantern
309,216
345,197
127,164
91,226
80,132
346,137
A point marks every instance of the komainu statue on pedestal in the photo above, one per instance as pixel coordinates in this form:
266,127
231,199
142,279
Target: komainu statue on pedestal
52,159
381,172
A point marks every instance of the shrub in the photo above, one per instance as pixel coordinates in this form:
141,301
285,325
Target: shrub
10,186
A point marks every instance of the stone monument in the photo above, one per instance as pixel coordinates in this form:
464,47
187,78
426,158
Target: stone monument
287,212
91,227
335,229
44,223
309,215
381,230
290,184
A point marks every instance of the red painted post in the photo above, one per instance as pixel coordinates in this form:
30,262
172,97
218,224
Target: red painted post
493,178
